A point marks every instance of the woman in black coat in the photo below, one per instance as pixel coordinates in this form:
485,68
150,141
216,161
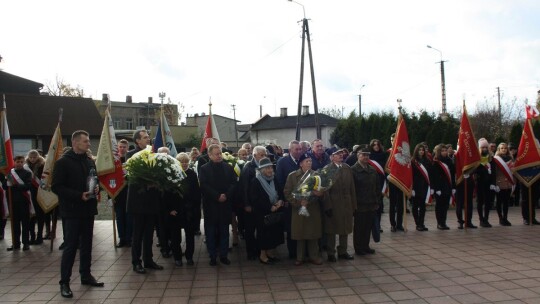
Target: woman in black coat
183,213
421,191
443,183
266,202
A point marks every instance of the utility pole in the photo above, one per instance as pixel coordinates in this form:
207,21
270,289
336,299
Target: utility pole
235,124
306,34
444,114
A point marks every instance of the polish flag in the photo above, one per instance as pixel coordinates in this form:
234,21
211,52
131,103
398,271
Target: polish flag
6,150
210,132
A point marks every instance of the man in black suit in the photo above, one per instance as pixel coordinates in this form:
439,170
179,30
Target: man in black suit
218,182
78,206
143,206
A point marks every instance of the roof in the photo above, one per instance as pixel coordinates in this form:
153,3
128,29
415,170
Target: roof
33,115
268,122
197,116
10,83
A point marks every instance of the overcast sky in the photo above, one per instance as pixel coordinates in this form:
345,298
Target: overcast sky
247,52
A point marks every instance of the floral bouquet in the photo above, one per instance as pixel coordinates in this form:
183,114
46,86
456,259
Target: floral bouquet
155,169
320,180
236,163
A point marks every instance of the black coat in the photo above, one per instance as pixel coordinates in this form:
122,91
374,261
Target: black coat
438,178
246,178
143,200
215,179
268,237
420,184
69,181
18,191
187,205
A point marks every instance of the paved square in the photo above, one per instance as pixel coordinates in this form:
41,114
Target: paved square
496,265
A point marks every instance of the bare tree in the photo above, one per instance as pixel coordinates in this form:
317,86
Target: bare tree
487,123
62,88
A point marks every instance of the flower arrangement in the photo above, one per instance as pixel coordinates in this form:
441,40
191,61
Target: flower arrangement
234,162
320,180
155,169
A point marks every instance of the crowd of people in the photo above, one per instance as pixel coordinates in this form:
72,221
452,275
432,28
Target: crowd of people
259,201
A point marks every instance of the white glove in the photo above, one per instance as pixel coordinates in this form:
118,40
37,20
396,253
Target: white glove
497,189
465,175
432,191
413,193
453,191
492,187
438,193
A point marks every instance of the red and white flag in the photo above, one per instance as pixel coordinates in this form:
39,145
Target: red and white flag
399,164
467,155
210,131
532,112
6,150
108,164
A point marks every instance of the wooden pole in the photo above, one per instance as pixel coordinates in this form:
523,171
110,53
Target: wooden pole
11,218
530,207
465,203
52,234
114,223
404,211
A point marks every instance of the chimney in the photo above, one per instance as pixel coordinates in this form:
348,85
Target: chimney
305,110
283,112
105,97
129,99
149,99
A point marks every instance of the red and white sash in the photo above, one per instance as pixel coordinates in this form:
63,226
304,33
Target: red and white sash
379,170
448,175
18,181
425,174
35,180
505,169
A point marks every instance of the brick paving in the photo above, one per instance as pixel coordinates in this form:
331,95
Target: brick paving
497,265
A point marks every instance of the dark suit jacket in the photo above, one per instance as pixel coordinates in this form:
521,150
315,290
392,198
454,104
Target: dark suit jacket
215,179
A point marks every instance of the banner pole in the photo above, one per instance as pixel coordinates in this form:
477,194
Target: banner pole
114,223
52,234
404,212
465,203
11,218
530,207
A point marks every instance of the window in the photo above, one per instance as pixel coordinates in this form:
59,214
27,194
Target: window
117,123
129,123
142,121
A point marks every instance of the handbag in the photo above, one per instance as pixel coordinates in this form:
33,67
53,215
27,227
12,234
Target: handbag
273,218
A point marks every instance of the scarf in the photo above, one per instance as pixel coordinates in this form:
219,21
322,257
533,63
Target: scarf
484,159
268,185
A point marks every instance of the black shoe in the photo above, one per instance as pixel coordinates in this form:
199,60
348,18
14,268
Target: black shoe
419,228
471,226
190,262
360,253
120,244
332,258
535,222
345,256
507,223
178,263
166,255
153,265
139,269
32,242
213,262
39,241
15,247
25,247
525,222
485,224
65,291
92,282
225,260
460,226
424,228
267,262
370,251
62,246
400,228
393,229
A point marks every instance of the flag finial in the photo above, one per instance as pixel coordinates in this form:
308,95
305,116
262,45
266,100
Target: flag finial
60,113
210,105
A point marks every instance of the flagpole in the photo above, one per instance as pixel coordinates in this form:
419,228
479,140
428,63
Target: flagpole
55,210
11,218
404,212
530,207
465,201
114,222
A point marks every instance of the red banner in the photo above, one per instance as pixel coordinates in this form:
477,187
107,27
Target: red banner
467,155
399,164
526,167
210,132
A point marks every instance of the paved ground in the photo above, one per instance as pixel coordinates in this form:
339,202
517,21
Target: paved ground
501,264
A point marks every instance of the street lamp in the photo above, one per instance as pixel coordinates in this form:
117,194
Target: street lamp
444,114
303,8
